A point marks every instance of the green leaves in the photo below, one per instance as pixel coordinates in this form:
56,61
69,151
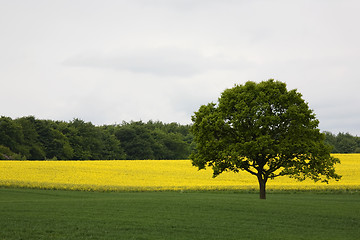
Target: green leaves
34,139
261,128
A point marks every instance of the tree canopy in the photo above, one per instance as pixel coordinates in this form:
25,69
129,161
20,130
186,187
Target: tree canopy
343,142
265,130
34,139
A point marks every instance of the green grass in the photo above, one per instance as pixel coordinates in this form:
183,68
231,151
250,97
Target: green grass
54,214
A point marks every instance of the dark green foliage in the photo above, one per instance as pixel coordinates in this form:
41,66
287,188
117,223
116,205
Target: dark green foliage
343,142
34,139
32,144
7,154
55,144
85,139
262,129
111,146
136,140
11,135
154,140
46,214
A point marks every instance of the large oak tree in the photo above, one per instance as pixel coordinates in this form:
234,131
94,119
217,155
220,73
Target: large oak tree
265,130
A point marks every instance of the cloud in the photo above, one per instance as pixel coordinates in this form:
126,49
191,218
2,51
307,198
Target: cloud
159,59
163,61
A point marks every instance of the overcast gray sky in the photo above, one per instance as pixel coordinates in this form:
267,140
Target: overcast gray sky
113,61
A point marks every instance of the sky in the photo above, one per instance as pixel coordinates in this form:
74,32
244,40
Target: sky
107,61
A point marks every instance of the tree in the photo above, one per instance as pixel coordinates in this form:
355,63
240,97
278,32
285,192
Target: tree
111,145
11,135
330,139
35,150
136,140
343,142
7,154
346,143
265,130
56,145
85,140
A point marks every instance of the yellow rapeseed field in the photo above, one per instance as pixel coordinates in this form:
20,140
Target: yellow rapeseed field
144,175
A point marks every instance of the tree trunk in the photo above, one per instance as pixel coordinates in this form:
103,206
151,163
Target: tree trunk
262,185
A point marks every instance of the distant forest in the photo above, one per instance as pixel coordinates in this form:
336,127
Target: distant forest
33,139
28,138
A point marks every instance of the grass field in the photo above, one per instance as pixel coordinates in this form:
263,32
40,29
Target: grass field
56,214
115,211
143,175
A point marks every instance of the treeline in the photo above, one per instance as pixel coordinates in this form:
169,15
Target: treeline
28,138
33,139
343,142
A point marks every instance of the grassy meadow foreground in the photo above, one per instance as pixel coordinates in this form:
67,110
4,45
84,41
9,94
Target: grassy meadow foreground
57,214
115,211
150,175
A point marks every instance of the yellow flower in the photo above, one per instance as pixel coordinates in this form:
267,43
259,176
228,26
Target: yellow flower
149,175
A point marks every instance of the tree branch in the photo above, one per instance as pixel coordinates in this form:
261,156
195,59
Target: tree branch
250,171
